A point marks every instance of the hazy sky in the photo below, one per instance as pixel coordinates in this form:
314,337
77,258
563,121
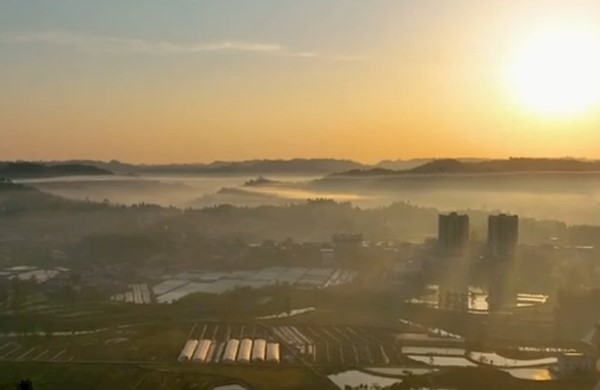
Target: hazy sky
193,80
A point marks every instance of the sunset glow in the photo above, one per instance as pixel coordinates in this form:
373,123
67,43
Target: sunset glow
369,80
557,73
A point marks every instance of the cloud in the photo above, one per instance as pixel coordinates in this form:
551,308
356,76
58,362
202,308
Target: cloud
111,44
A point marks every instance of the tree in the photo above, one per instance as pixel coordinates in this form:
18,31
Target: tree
24,384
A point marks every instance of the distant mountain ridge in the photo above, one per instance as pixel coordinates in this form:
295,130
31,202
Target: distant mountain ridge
258,166
299,167
322,166
401,165
512,165
27,170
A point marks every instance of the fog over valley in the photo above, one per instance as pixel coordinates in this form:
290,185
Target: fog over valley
570,197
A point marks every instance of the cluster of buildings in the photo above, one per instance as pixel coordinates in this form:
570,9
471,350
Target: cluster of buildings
502,239
454,243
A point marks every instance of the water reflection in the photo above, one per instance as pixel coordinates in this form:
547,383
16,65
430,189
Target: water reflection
401,371
357,378
496,360
229,387
478,299
535,374
443,361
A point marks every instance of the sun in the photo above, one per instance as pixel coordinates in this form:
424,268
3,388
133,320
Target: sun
557,72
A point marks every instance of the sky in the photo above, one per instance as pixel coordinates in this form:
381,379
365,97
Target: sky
197,80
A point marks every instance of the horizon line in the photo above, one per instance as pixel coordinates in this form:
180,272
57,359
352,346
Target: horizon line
340,159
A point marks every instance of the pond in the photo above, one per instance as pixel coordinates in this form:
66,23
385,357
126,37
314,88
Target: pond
356,378
496,360
400,371
535,374
229,387
292,313
431,330
478,299
443,361
408,350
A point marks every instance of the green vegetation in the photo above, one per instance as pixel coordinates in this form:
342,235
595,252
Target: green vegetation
257,377
66,376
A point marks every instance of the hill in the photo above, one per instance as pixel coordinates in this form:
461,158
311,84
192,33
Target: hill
512,165
299,166
17,198
402,165
29,170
